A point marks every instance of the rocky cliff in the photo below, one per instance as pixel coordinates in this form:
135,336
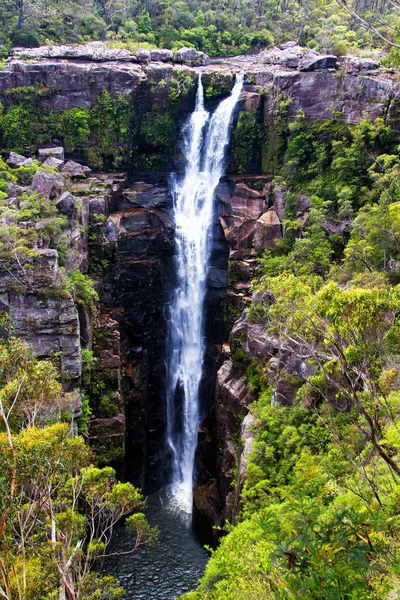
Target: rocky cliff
121,231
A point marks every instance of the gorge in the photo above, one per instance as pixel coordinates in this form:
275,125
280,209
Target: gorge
199,180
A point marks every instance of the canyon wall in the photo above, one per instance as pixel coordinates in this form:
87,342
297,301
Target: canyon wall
121,231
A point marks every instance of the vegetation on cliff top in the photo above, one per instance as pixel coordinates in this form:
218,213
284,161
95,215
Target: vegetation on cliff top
233,28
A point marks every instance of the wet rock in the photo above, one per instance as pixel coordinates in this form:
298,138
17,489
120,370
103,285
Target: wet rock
47,185
55,152
217,278
17,160
207,503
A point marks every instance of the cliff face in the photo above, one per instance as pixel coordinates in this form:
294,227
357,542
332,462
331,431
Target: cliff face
121,229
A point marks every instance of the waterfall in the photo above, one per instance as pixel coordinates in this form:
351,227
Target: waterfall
205,140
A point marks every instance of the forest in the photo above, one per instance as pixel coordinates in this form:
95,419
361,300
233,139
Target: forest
318,513
219,29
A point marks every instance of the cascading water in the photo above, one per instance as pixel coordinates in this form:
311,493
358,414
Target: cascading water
205,142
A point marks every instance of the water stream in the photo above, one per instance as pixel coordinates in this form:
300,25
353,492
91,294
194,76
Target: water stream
176,562
205,141
171,567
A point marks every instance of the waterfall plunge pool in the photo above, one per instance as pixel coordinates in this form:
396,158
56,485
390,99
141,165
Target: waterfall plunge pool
172,566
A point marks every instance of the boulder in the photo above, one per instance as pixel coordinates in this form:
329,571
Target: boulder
75,169
56,152
162,55
293,56
311,62
143,56
145,195
191,57
54,162
66,204
355,65
290,57
289,44
17,160
268,230
48,185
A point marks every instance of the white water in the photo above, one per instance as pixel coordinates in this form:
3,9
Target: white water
205,142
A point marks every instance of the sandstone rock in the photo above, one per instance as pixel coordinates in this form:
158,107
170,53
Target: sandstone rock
144,195
247,438
17,160
289,44
97,205
355,65
254,338
268,230
93,51
54,162
250,100
75,169
143,56
66,204
239,211
56,152
311,62
162,55
232,391
293,56
290,57
339,227
191,57
47,185
49,326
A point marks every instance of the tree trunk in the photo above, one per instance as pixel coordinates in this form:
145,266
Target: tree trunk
305,15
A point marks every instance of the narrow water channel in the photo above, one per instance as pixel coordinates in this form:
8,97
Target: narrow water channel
172,566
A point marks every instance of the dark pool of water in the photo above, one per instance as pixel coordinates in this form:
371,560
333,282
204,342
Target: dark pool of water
172,566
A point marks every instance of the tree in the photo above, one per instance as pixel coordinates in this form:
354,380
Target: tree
371,15
352,339
58,511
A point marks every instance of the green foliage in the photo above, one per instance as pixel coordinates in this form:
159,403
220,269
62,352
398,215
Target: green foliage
217,85
102,134
180,85
323,476
58,511
343,173
82,288
246,143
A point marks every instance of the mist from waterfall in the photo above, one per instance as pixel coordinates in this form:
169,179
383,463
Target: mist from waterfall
205,141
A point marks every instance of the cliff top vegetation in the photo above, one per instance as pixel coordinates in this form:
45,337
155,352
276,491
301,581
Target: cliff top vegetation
217,28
